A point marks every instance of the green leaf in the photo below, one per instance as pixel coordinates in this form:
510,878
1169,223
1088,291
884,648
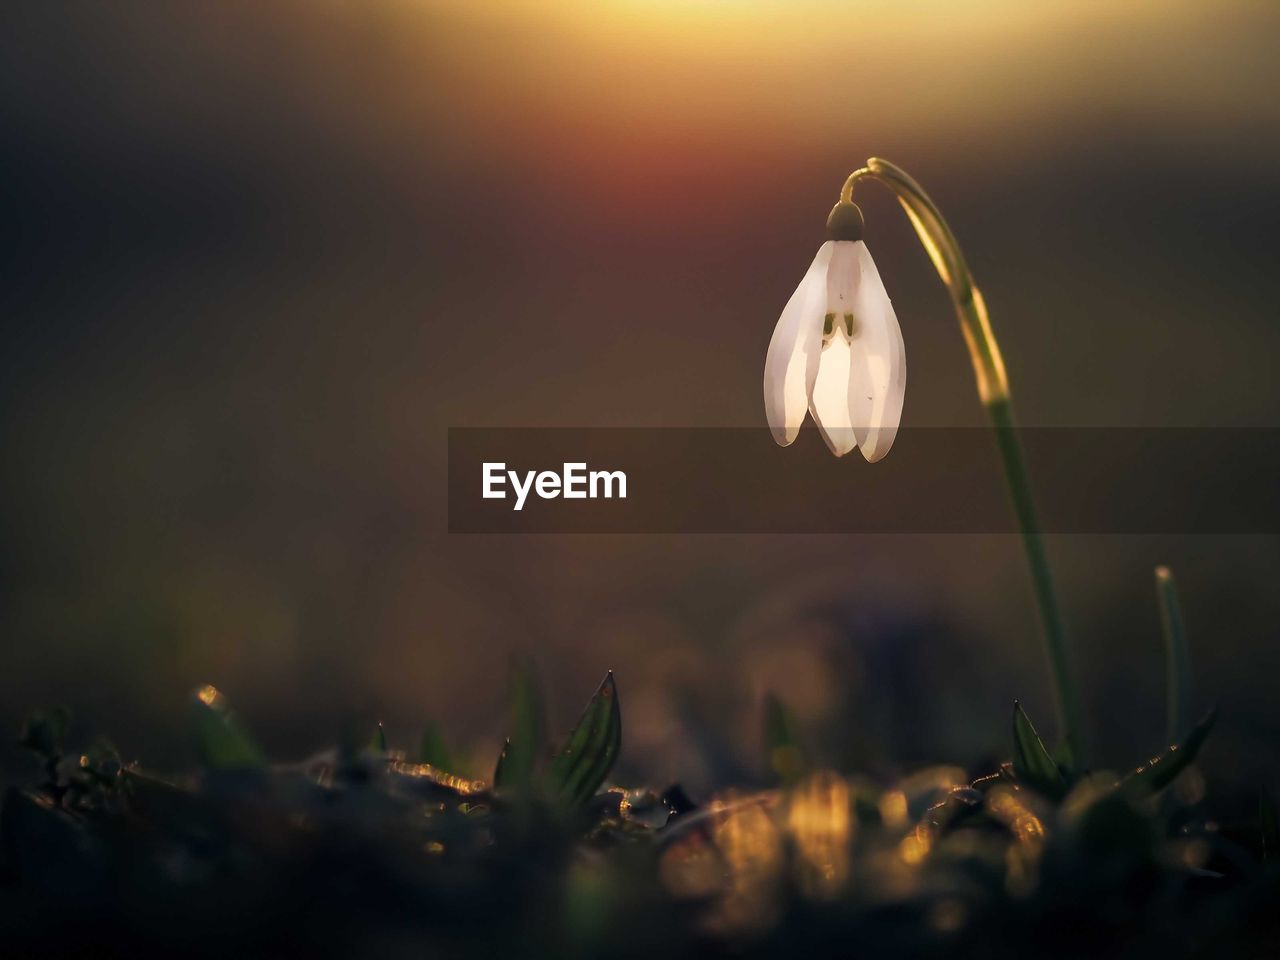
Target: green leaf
378,742
1177,657
784,756
1160,771
577,771
517,763
1032,763
432,748
44,731
1065,758
222,743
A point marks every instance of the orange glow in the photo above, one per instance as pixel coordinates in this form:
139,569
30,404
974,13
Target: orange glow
208,695
822,831
751,847
819,70
915,846
893,809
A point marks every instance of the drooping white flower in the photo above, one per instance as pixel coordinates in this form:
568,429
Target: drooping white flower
837,350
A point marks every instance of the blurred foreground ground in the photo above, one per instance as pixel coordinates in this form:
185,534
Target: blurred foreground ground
257,260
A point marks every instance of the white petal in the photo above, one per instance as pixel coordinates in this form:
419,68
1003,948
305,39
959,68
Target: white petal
791,365
829,402
878,362
842,276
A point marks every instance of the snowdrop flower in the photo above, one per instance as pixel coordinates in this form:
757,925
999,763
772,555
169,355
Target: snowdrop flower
837,350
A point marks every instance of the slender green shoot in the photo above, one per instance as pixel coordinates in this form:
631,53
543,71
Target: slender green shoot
1177,657
580,768
222,742
433,750
784,754
1160,771
1032,763
517,765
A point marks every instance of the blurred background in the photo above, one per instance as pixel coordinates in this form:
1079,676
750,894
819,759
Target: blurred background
259,257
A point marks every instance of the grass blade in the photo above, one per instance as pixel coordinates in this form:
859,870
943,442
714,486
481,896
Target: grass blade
517,764
222,743
784,756
577,771
1065,758
378,742
1032,762
1177,657
432,748
1157,773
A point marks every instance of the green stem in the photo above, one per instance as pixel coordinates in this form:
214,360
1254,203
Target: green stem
1066,699
993,390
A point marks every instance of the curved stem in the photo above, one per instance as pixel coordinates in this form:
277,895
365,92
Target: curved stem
993,389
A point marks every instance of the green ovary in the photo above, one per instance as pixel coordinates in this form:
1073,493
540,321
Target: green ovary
848,324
